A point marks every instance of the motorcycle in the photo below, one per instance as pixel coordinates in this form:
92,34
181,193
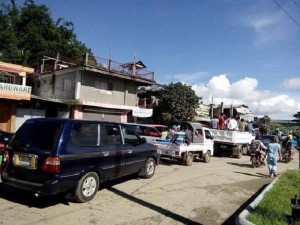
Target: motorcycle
287,156
255,159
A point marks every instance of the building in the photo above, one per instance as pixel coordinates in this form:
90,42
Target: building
13,93
90,88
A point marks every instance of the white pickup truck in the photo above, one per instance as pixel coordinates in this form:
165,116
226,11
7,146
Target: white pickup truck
234,143
201,147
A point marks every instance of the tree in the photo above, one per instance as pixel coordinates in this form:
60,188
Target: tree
29,31
297,116
176,103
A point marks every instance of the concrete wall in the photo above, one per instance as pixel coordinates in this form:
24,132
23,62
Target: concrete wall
123,91
43,86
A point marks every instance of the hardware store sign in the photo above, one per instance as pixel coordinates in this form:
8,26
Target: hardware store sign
14,91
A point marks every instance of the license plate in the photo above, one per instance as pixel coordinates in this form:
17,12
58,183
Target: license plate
29,161
222,146
24,160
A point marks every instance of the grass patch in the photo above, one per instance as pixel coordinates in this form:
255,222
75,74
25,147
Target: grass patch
275,207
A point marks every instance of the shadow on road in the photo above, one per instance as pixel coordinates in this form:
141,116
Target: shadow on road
240,164
156,208
250,174
27,198
232,218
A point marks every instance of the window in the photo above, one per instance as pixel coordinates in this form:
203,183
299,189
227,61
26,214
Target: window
29,135
110,135
67,85
85,134
104,87
129,135
6,79
207,134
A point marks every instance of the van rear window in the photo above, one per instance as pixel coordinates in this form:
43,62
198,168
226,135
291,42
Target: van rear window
37,135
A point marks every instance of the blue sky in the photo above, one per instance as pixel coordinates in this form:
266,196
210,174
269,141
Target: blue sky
236,51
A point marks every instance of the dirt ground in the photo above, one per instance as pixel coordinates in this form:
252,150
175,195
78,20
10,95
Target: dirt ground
204,193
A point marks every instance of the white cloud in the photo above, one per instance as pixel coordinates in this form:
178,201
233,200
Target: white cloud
293,83
244,91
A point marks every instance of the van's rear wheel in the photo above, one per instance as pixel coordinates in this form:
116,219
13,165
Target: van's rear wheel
148,169
87,187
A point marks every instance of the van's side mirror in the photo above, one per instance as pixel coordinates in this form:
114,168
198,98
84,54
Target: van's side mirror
143,140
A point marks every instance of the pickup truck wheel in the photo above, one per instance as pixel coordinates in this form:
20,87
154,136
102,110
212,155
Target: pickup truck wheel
207,157
245,150
239,152
87,187
148,169
188,161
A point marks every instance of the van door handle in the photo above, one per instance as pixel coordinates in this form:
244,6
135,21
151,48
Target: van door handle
129,151
105,153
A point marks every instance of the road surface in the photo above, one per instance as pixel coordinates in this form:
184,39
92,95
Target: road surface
204,193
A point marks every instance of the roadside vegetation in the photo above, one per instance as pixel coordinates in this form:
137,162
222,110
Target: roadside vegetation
275,208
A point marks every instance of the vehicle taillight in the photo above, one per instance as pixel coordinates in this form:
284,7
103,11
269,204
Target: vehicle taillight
5,158
52,164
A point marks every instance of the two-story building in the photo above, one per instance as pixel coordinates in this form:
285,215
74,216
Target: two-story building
92,88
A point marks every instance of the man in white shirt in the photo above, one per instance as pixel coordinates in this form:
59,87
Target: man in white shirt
232,124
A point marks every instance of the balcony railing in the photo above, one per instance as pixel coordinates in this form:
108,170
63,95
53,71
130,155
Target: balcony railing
111,65
50,64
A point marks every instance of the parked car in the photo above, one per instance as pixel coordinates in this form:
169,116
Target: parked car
51,156
4,139
149,131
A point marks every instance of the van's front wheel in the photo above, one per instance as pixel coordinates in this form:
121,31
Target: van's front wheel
87,187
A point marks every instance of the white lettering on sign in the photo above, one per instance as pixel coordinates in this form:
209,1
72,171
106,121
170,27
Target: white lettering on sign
142,112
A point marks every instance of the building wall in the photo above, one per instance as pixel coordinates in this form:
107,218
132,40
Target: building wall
64,87
123,91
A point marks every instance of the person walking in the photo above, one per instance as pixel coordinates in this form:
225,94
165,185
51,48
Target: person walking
272,156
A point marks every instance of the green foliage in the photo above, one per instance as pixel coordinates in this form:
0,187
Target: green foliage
297,116
176,103
276,204
29,31
263,120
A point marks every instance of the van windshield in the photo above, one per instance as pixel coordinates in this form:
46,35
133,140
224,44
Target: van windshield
37,135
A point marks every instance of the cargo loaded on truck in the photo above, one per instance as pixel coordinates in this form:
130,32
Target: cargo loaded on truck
201,146
232,143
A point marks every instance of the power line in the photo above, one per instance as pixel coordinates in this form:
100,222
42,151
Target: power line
286,13
297,4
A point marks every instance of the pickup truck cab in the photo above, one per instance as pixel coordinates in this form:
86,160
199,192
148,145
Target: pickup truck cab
201,146
51,156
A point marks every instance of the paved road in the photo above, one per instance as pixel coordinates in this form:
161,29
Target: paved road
203,193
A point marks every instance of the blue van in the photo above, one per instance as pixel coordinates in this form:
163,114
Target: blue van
52,156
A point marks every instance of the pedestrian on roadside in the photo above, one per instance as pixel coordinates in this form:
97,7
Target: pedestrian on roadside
272,157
